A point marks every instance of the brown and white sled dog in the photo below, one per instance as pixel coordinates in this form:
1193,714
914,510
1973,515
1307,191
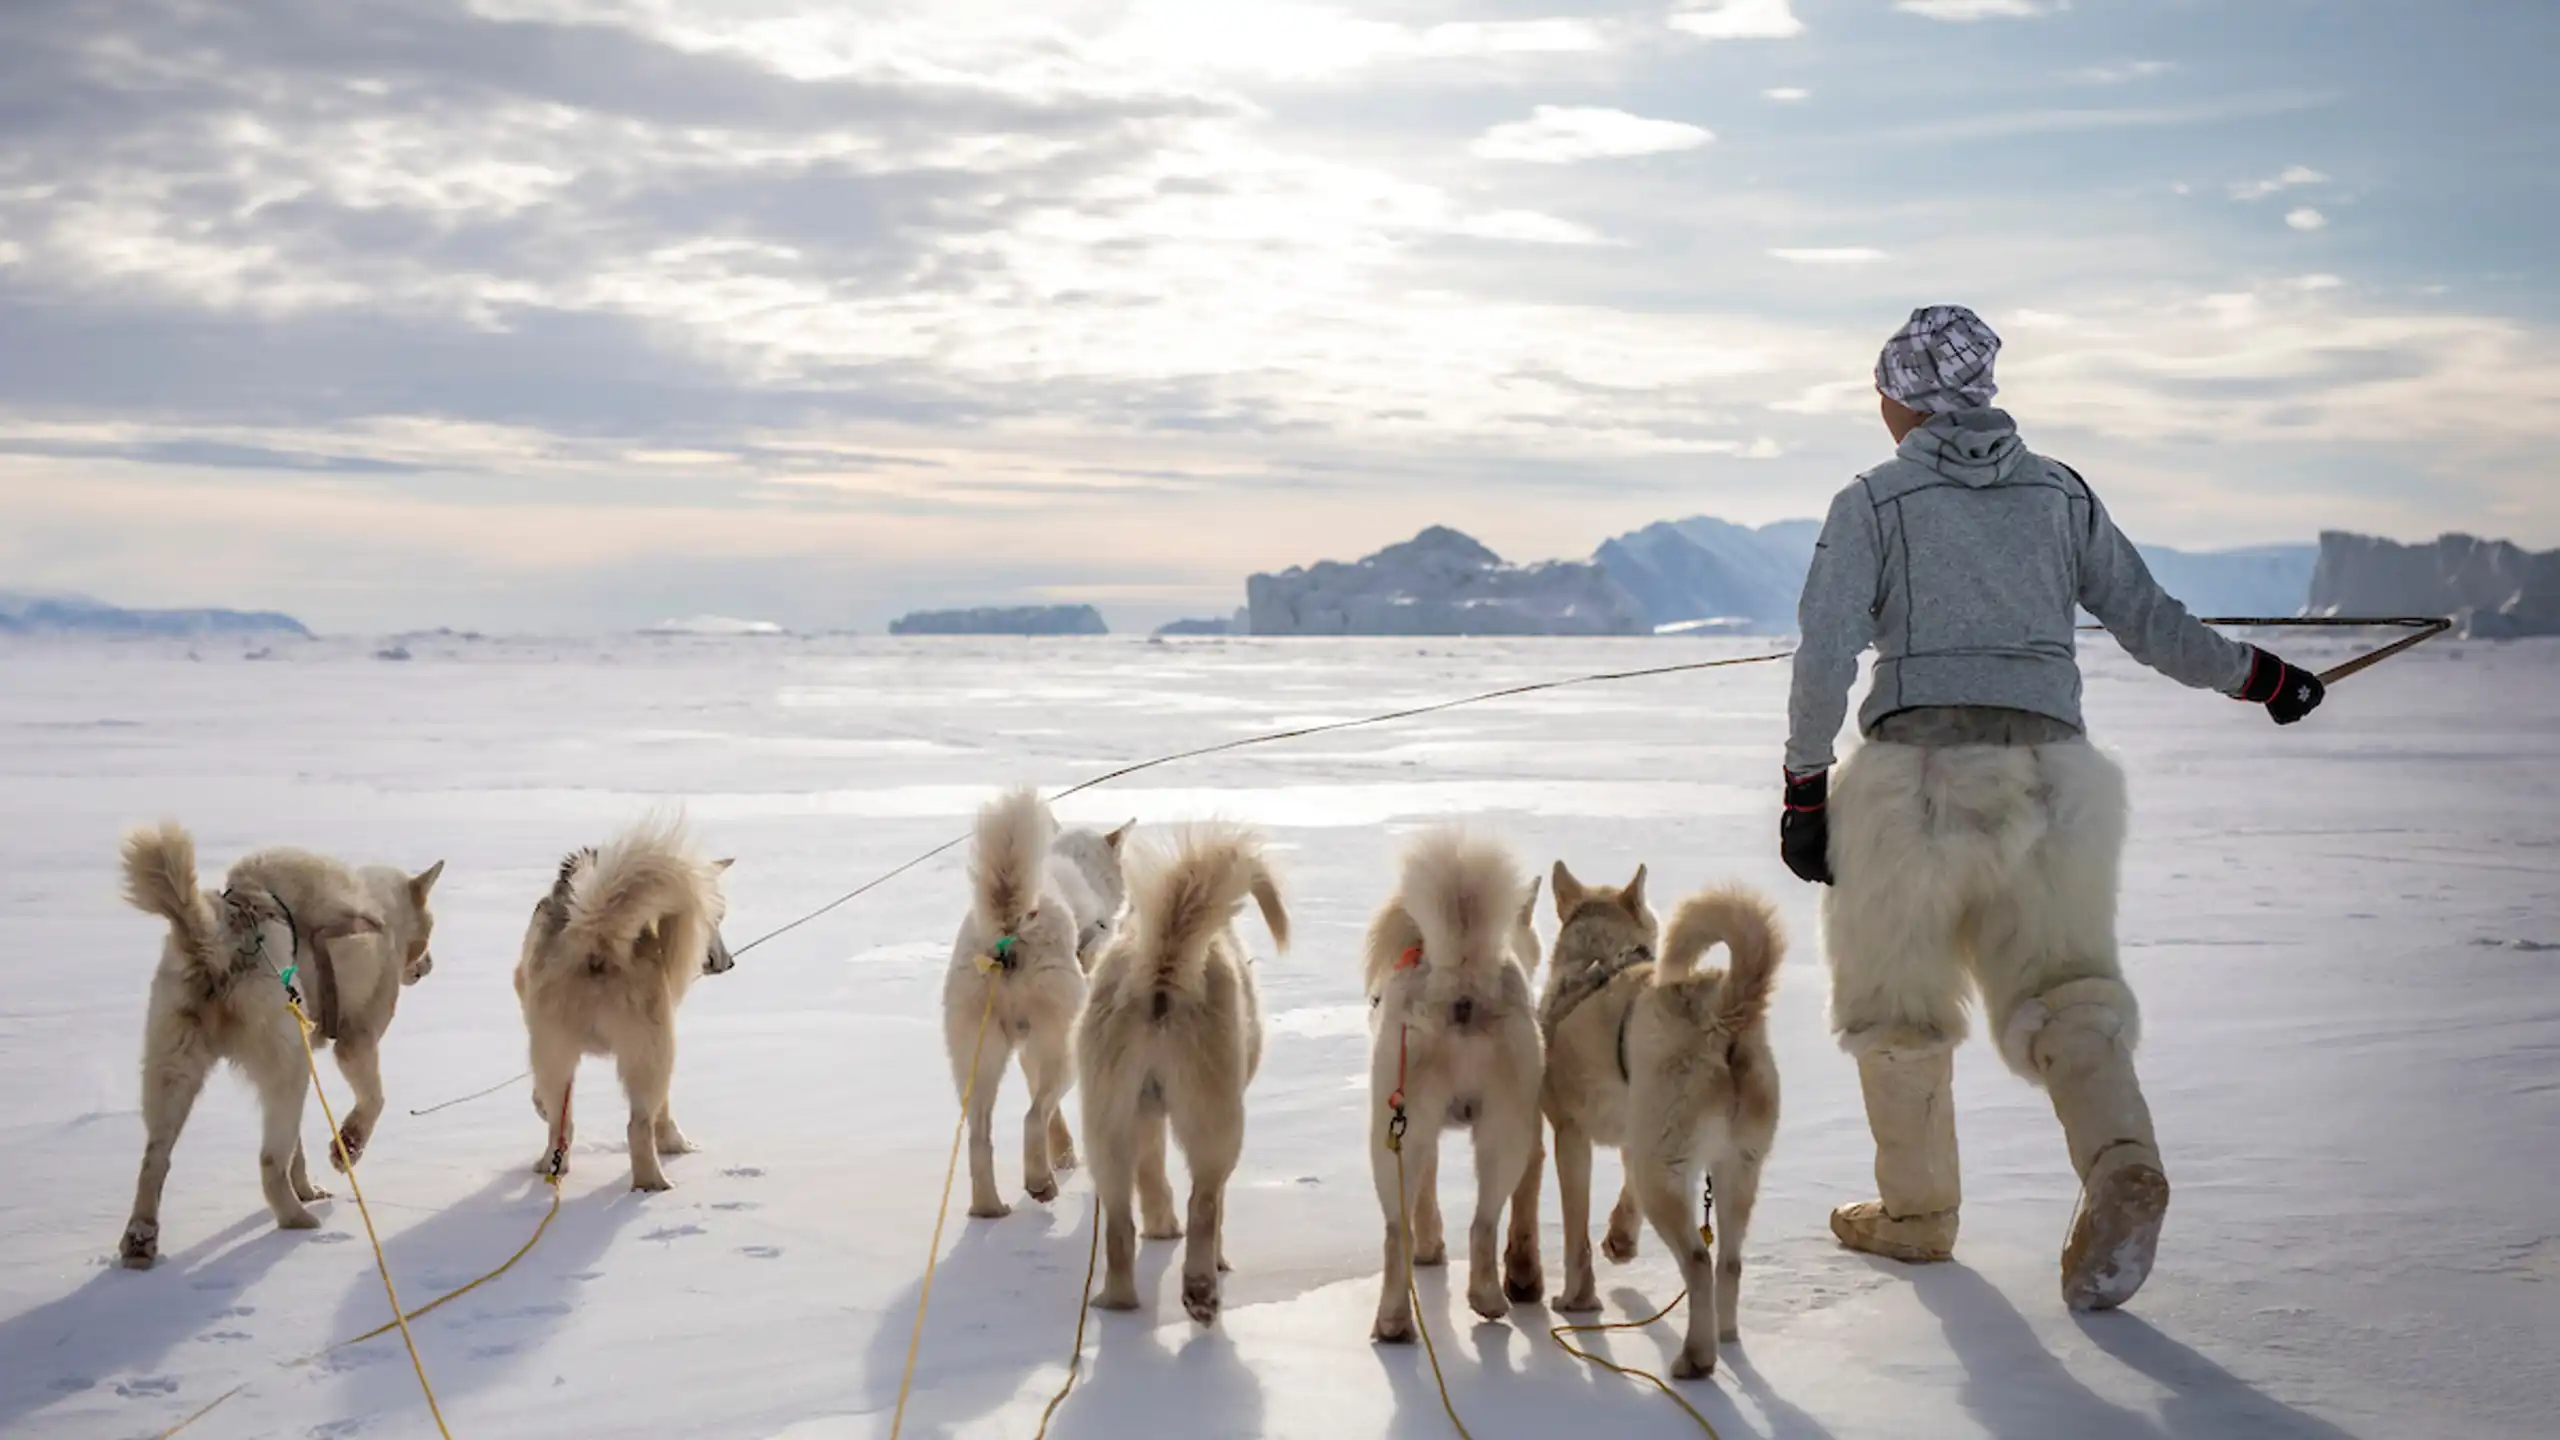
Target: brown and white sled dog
1041,906
1171,1037
1457,1044
1705,1093
352,938
1604,962
608,956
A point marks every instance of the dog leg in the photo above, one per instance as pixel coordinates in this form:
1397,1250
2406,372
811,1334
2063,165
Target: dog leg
1422,1187
646,1076
1664,1190
1573,1190
1112,1138
985,1201
1049,1070
360,1060
671,1137
280,1097
1524,1279
1626,1224
555,1064
1062,1141
300,1178
169,1090
1737,1190
1506,1140
1155,1188
1395,1299
1210,1126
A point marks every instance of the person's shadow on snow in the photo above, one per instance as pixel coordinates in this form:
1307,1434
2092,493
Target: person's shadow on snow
476,1340
1004,1304
2202,1395
122,1321
2013,1384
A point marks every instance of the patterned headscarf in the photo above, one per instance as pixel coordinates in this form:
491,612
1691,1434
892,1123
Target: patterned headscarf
1940,361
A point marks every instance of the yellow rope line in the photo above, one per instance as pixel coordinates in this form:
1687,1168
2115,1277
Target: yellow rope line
440,1301
1558,1333
200,1414
951,1169
311,1058
1075,1358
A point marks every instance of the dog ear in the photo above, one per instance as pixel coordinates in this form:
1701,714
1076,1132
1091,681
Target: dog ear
1632,898
1569,892
1117,837
1529,905
719,866
424,881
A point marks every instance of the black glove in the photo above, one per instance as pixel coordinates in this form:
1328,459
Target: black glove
2288,692
1804,831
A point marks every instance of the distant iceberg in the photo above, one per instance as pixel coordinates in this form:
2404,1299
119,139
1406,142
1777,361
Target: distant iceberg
714,625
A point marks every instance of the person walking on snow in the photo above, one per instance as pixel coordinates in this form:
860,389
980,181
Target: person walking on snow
1973,841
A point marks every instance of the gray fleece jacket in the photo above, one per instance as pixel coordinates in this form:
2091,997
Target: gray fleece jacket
1962,560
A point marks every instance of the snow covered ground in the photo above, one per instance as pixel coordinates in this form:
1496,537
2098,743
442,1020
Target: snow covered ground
2347,937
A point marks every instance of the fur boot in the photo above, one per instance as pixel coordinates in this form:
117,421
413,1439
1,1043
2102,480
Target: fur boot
1910,1093
2080,1039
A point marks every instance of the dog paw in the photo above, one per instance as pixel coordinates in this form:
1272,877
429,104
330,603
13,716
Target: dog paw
1582,1300
349,1148
1730,1334
1619,1246
1694,1367
1393,1330
1043,1191
673,1142
1169,1230
990,1210
1525,1288
1118,1295
141,1245
1431,1256
652,1184
298,1220
307,1193
1063,1158
1487,1301
1200,1298
542,1167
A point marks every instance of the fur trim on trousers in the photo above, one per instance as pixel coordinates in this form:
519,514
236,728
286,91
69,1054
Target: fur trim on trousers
1965,870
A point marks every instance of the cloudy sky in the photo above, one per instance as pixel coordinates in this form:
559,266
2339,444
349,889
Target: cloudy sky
567,314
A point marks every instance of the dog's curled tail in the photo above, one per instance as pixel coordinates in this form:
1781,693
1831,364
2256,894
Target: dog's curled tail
1009,863
1741,921
1464,890
644,877
1182,904
160,877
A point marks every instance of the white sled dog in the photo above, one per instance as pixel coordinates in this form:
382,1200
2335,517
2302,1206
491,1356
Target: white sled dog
350,938
1041,906
1457,1044
1705,1091
1604,962
1173,1035
607,958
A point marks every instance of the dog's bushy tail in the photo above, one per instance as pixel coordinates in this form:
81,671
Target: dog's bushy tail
160,877
644,877
1462,890
1181,904
1009,865
1744,923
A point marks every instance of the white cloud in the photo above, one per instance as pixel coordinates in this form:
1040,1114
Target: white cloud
1562,134
1528,227
1966,11
1787,93
2315,283
1740,20
2306,218
2294,177
2120,73
1832,255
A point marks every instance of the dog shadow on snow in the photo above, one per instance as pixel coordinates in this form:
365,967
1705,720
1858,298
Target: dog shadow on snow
478,1339
2016,1387
121,1322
